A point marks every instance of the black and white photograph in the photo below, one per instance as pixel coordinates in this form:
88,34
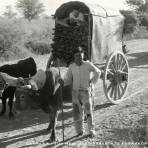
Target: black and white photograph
73,74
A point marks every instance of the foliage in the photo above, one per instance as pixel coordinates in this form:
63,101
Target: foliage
30,9
140,6
135,3
131,21
39,36
67,39
9,12
39,47
144,21
9,34
144,7
142,33
15,33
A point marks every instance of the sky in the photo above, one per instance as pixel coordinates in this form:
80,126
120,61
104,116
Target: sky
52,5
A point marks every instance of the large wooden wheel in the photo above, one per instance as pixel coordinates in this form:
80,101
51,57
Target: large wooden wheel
115,79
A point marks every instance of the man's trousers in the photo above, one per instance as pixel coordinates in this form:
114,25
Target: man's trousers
82,104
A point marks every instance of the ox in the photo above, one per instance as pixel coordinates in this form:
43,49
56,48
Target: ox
23,68
48,97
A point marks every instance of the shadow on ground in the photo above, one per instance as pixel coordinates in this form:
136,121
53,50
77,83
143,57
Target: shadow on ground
138,60
28,118
101,106
10,140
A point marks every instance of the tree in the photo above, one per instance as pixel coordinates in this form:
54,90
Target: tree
144,21
130,22
140,6
30,8
9,12
141,9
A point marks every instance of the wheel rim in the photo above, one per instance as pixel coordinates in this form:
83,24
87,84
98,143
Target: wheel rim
115,80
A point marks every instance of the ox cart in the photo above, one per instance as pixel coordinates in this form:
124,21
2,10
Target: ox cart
100,32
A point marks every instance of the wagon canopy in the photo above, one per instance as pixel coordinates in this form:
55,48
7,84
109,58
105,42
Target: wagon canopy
106,28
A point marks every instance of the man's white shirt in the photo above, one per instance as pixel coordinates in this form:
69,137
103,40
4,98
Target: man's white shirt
80,76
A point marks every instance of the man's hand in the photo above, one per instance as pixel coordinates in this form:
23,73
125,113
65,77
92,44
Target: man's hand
109,76
20,82
61,81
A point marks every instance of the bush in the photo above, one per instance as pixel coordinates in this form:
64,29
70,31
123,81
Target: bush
5,44
38,47
10,34
15,33
131,21
144,21
39,35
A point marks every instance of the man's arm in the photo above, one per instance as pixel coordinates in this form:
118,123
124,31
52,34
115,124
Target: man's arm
96,73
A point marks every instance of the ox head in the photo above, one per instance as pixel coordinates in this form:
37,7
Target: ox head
2,85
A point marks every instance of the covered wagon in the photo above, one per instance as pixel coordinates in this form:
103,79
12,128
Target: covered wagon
99,32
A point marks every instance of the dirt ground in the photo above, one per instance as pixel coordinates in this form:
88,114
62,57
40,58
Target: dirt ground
117,126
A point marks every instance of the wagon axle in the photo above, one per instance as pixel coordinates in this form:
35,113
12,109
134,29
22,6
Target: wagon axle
117,77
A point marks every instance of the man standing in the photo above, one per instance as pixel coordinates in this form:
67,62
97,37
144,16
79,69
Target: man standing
81,74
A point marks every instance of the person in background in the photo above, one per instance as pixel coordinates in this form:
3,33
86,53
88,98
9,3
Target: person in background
74,19
81,74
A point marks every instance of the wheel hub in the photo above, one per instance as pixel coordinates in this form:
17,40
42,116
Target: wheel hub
119,77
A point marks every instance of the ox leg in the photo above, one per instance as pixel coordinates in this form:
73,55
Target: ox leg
53,120
3,106
10,103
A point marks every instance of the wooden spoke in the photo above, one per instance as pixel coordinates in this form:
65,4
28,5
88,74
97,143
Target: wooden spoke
123,87
109,87
115,93
109,71
121,62
118,61
112,91
124,66
113,67
114,63
118,88
117,67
